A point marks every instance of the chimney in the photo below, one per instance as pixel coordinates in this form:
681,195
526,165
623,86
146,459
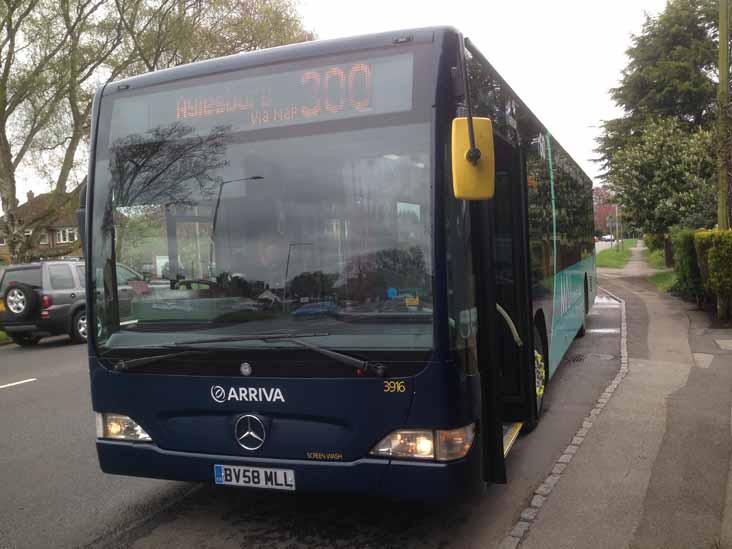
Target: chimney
30,196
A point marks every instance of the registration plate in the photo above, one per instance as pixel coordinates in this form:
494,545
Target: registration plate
258,477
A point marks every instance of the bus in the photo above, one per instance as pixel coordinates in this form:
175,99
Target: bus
356,265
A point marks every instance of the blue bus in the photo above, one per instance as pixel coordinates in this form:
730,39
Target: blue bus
433,235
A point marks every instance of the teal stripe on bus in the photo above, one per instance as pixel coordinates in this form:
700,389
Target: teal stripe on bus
569,307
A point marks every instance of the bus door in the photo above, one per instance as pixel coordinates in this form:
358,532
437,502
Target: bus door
513,333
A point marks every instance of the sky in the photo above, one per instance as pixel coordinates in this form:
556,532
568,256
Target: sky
561,57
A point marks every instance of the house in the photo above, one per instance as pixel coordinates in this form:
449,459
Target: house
59,236
604,208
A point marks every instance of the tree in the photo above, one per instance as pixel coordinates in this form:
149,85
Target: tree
666,178
169,33
50,55
55,53
316,285
671,73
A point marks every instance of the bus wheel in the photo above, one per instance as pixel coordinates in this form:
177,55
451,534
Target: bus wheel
540,380
539,373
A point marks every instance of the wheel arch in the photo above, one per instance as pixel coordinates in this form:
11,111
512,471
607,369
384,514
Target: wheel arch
540,325
72,313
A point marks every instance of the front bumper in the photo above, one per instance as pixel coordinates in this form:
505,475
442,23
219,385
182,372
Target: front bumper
405,480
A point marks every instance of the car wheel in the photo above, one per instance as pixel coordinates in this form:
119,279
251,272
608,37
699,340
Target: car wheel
25,339
20,300
79,329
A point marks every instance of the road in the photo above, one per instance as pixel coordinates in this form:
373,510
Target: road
54,495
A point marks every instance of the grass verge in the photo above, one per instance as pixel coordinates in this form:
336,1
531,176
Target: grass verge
4,337
663,281
614,258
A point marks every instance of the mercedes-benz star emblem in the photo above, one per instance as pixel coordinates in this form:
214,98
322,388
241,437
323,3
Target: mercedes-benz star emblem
250,432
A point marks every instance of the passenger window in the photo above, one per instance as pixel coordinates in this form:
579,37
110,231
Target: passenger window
61,278
81,273
30,276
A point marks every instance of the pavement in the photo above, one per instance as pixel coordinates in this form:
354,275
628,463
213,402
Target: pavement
52,493
654,471
600,246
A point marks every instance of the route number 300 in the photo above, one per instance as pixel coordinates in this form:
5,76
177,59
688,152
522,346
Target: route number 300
395,387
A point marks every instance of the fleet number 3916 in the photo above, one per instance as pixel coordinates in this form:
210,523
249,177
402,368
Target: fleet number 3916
395,387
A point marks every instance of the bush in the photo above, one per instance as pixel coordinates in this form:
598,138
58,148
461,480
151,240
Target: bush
688,278
654,241
702,243
720,264
714,255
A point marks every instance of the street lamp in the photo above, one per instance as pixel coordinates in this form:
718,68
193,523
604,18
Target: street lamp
216,212
287,268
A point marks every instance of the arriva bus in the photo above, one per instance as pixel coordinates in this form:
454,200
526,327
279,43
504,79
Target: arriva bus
344,266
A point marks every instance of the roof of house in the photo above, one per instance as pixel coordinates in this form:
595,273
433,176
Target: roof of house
36,206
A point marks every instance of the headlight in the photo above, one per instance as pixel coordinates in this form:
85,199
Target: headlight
424,444
119,427
406,444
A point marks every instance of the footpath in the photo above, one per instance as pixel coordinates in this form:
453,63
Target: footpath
654,470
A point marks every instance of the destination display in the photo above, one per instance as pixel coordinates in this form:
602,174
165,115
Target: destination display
365,87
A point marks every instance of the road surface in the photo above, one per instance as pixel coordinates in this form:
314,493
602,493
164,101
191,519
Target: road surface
53,494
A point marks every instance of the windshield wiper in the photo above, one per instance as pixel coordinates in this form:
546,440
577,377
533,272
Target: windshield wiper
123,364
126,364
247,337
360,365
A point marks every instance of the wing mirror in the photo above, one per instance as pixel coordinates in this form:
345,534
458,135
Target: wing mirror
473,179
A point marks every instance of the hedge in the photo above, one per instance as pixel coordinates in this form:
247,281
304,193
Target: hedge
688,278
703,241
714,255
720,264
654,241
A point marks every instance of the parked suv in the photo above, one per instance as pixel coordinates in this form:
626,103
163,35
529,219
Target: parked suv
42,299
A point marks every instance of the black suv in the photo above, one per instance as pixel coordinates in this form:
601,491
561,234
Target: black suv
42,299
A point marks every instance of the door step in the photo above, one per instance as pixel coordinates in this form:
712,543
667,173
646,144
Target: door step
510,434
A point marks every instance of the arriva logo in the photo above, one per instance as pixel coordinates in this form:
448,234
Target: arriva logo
246,394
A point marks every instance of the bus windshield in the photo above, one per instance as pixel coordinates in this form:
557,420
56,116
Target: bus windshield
281,202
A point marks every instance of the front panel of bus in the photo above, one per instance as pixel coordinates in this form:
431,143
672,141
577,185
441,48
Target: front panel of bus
263,277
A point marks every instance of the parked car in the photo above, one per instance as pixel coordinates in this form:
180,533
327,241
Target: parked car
42,299
47,298
321,308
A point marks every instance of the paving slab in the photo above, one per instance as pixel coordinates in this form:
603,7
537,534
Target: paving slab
654,469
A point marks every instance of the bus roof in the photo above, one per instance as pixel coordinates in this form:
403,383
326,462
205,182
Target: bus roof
279,54
302,51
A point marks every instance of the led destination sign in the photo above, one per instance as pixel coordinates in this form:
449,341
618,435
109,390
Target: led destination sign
365,87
